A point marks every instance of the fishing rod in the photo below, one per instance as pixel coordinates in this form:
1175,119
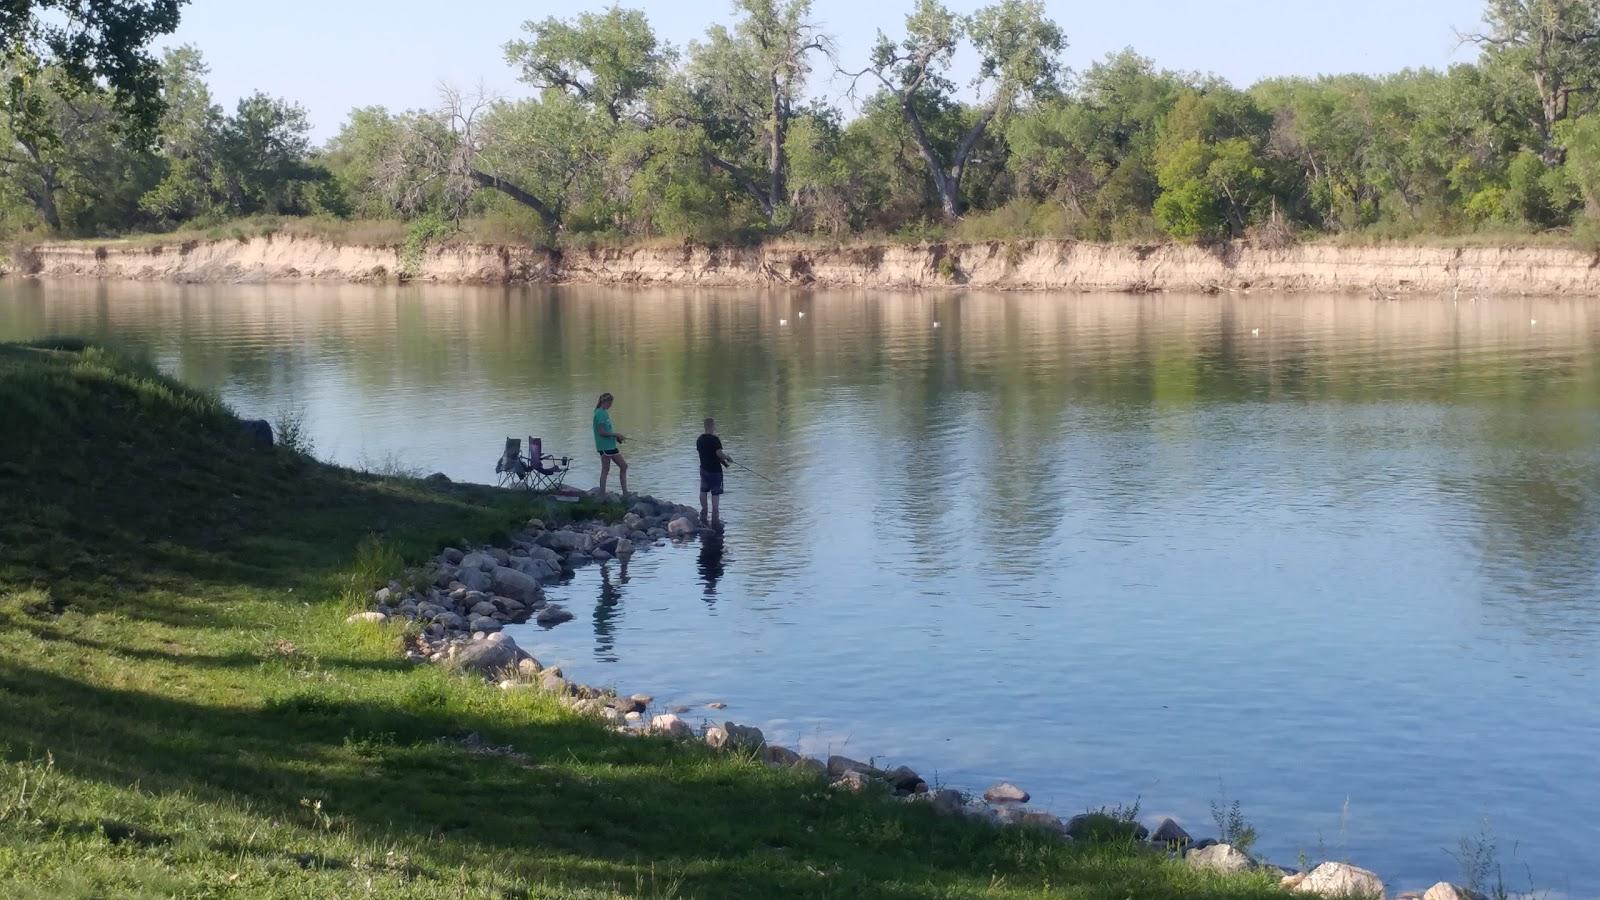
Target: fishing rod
658,446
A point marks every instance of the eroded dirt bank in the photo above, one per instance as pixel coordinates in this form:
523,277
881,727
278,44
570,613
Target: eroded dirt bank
1023,265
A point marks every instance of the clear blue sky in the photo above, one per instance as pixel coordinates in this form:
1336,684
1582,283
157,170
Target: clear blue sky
334,55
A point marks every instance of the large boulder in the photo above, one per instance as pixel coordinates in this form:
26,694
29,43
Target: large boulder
483,623
744,737
1006,792
1220,858
1337,879
551,615
450,620
474,579
681,528
495,656
1444,890
838,765
1170,834
567,541
516,585
479,559
671,726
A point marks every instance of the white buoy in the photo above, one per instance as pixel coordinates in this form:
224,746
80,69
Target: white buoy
1533,321
936,324
802,314
783,321
1255,331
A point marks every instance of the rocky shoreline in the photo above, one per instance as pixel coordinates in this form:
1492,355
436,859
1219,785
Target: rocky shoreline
459,604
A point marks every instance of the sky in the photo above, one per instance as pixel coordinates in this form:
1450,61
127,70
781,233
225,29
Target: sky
332,56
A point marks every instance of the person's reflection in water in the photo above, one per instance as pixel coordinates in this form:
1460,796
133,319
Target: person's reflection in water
711,564
607,610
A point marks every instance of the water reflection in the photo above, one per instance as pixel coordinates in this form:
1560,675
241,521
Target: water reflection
608,609
710,563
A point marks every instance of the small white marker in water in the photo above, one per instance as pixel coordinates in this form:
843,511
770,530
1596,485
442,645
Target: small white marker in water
1533,321
1255,331
936,324
802,314
783,321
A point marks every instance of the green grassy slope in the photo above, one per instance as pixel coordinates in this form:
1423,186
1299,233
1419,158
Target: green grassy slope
183,711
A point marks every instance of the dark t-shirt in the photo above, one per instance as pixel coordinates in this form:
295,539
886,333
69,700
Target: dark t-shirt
708,445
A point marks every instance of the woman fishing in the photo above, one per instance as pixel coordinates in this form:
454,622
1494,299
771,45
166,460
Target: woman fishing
607,442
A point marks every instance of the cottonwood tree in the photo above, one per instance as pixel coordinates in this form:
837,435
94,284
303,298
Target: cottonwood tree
89,42
743,88
609,60
1018,58
63,151
1556,45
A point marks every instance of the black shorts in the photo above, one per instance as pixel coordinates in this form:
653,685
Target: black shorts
711,482
615,452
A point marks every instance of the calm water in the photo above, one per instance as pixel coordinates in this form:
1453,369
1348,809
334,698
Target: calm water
1345,570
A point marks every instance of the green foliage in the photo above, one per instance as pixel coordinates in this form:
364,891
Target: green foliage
420,233
1232,827
624,137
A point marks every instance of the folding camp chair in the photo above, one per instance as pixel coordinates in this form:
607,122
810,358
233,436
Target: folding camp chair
546,471
511,468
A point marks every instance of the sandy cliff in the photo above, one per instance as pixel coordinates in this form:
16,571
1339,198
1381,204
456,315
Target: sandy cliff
1024,265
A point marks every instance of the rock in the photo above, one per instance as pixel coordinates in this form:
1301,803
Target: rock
1006,792
528,667
485,624
257,432
475,579
780,757
1100,827
451,621
632,521
600,555
552,683
589,707
1220,858
479,560
744,737
1290,882
452,556
947,800
1444,890
634,717
493,656
567,541
514,584
643,700
838,765
1170,834
671,726
1036,819
717,705
681,528
382,595
853,781
628,705
610,715
716,737
552,615
501,557
373,617
437,478
624,549
812,767
484,608
1336,879
535,525
903,778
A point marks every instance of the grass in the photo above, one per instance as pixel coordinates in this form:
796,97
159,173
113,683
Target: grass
183,711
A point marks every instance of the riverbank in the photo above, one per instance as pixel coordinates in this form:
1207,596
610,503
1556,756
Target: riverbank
185,709
1381,270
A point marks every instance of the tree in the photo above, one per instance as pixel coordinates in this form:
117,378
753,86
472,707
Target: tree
610,60
1018,59
1212,173
264,148
91,41
58,146
1556,45
744,85
188,140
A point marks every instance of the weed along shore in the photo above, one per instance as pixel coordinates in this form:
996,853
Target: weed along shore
1382,270
452,610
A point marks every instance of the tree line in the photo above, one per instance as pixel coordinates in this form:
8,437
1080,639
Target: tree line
622,135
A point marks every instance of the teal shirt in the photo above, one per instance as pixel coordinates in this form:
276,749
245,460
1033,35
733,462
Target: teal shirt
602,423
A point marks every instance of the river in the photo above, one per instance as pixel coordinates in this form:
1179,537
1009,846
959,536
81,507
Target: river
1335,559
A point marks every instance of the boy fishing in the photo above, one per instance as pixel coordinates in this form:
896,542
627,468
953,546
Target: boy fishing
712,461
